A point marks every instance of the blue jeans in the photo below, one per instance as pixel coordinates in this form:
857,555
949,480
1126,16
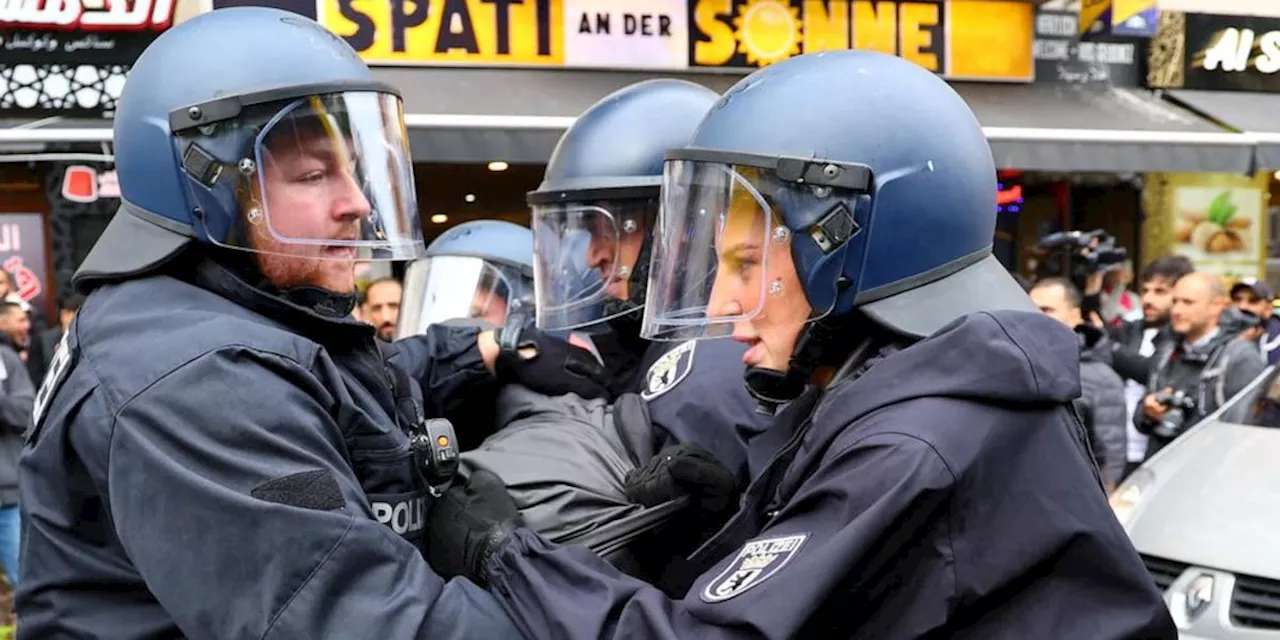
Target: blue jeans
10,530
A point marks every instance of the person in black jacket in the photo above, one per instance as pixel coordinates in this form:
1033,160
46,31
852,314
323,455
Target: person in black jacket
1101,403
1136,342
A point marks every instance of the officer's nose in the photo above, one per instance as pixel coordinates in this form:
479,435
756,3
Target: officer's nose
349,200
723,300
600,251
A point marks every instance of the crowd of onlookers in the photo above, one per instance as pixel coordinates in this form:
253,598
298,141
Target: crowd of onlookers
1156,359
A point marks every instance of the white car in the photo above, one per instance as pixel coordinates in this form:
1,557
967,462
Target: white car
1204,513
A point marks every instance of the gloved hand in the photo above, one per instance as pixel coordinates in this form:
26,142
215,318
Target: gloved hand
684,470
545,364
468,524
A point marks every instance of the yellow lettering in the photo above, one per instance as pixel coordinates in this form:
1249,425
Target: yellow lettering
875,26
759,562
825,30
913,20
720,44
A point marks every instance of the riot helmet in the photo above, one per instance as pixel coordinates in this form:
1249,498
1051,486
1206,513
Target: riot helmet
821,186
305,157
594,212
480,270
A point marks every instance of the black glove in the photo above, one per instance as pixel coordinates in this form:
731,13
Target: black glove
554,368
468,524
684,470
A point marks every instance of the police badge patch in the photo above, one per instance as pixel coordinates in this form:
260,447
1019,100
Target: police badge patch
668,370
756,562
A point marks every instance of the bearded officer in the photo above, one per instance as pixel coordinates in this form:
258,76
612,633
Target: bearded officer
218,451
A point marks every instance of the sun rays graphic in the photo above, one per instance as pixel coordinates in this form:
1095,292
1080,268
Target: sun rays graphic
767,31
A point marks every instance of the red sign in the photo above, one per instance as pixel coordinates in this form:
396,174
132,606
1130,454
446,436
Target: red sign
87,15
22,253
26,280
1011,195
84,184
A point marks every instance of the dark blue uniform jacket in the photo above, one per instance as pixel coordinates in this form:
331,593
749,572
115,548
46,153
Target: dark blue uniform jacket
216,463
696,395
945,492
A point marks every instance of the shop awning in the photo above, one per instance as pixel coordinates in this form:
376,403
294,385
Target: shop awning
1049,127
467,115
454,114
1253,113
516,115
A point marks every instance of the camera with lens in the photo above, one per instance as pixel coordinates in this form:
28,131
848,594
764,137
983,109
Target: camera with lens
1076,255
1180,405
1236,320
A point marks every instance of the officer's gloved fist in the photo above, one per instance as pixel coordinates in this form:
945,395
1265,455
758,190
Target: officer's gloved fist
546,364
684,470
468,524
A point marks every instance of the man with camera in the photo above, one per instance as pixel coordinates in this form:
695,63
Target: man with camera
1203,367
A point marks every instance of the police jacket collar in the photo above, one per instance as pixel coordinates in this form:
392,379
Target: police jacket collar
308,310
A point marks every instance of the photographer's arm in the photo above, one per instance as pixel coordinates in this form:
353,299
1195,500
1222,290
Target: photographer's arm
1130,364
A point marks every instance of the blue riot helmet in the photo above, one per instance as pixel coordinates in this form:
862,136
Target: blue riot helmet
594,211
858,179
481,270
303,155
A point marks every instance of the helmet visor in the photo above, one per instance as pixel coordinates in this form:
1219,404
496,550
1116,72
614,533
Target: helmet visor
325,177
721,254
583,257
441,288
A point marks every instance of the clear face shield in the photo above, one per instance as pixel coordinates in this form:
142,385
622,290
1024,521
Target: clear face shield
440,288
584,255
323,177
722,258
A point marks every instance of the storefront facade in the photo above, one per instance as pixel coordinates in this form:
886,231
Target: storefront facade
62,67
490,87
1225,68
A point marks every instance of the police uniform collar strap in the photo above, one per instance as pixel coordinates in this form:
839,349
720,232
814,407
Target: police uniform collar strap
307,309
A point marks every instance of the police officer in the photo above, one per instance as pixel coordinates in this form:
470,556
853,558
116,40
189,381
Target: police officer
594,224
482,269
218,451
474,275
927,476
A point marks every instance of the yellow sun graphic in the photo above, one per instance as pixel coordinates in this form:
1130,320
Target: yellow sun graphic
768,31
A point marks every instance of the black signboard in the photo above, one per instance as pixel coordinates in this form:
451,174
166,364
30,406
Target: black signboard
1063,58
1218,53
301,7
70,57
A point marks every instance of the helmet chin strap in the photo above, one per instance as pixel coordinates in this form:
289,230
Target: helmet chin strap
827,342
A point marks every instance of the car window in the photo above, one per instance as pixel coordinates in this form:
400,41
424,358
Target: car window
1259,403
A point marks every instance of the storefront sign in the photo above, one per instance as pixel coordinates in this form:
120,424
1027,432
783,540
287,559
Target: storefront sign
69,57
1214,219
607,33
1094,16
85,184
1134,18
962,39
22,254
1221,53
477,32
1061,57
